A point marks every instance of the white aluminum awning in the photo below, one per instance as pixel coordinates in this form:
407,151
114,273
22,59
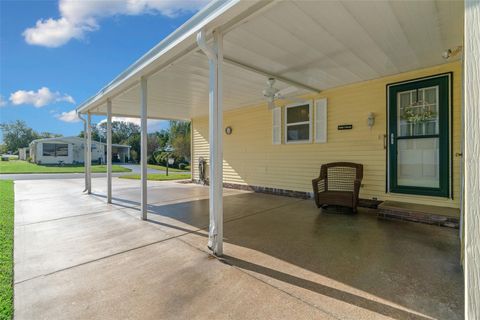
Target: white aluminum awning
315,45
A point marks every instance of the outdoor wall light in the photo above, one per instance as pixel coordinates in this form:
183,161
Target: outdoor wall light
371,119
228,130
447,54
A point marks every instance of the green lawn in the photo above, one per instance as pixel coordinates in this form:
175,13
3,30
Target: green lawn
6,249
18,166
159,176
158,167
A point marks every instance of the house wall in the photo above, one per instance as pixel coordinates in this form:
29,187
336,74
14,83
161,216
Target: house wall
250,158
75,153
98,152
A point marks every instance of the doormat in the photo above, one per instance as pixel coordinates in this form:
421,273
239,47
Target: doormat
369,203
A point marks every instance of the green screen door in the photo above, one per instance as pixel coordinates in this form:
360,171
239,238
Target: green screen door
419,151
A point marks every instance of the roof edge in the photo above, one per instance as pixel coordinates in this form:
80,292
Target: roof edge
200,19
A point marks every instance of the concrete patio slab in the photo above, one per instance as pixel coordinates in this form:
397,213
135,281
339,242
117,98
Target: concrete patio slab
336,261
77,257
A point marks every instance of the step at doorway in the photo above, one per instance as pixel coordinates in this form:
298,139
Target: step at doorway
441,216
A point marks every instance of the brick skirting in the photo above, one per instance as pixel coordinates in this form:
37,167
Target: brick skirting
274,191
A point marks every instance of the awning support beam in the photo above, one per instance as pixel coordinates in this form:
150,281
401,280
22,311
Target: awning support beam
109,151
215,59
283,79
143,145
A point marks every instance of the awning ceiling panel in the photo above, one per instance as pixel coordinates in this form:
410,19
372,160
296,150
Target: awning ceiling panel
322,44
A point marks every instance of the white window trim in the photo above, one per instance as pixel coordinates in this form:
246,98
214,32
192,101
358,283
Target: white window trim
309,122
279,125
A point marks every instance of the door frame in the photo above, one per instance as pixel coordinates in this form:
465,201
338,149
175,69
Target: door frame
445,132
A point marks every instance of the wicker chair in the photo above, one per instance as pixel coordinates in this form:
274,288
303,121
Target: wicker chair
338,184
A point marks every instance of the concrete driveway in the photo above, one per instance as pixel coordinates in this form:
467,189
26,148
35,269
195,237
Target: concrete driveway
137,169
50,176
78,258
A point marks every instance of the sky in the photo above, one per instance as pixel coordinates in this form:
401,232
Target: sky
56,54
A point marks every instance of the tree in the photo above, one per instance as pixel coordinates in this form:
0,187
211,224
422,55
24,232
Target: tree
46,134
134,142
17,135
3,148
180,139
163,138
121,130
153,143
96,134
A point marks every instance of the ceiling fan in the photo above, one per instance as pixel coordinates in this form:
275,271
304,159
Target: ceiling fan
272,94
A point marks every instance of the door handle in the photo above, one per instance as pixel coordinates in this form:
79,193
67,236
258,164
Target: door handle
392,138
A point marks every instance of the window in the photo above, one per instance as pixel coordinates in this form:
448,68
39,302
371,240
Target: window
55,150
49,150
61,150
298,123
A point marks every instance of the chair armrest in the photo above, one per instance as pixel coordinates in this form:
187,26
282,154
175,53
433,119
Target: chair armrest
316,185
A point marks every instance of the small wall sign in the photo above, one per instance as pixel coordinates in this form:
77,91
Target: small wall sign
345,127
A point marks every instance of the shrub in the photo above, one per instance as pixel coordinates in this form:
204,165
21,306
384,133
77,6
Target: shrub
29,159
151,160
182,166
133,155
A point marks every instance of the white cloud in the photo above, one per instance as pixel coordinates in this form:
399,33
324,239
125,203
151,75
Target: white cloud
39,98
152,124
3,103
68,116
53,33
78,17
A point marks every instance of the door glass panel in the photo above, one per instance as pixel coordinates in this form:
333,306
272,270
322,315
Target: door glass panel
418,112
418,162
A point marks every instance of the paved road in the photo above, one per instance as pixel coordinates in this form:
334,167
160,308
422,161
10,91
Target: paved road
40,176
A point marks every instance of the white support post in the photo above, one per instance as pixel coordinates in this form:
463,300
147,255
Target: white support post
88,161
109,151
143,145
84,149
215,57
472,155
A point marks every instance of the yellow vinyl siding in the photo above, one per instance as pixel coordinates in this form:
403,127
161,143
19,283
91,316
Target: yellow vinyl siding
251,158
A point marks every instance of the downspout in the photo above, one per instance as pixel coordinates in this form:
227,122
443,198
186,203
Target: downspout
79,115
215,59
